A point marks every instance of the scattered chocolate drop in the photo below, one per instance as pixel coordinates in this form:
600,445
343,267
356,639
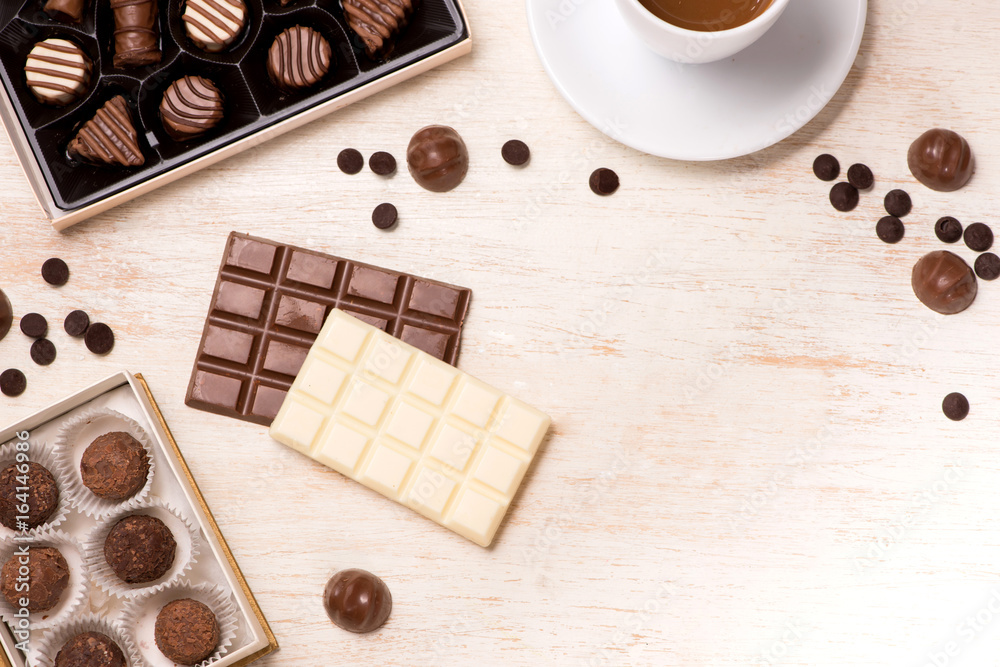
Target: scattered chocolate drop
6,315
350,161
898,203
826,167
13,382
516,153
100,339
943,282
979,237
55,272
384,216
357,601
860,176
890,229
987,266
948,229
382,163
844,197
604,182
34,325
76,323
43,352
955,406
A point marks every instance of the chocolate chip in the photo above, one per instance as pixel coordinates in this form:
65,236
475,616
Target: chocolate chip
43,352
979,237
384,216
898,203
826,167
955,406
844,197
988,266
34,325
604,182
860,176
515,152
55,272
13,382
76,323
100,339
948,229
890,229
350,161
382,163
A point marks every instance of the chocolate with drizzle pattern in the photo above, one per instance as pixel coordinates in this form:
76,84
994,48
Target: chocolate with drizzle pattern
109,137
378,22
299,58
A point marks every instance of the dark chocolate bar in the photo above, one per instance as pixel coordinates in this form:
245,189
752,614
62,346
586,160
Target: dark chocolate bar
270,303
137,33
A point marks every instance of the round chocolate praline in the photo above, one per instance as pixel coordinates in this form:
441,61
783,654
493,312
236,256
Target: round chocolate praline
186,631
943,282
191,107
299,58
140,549
941,159
57,72
47,579
357,600
43,495
437,158
114,466
90,649
213,25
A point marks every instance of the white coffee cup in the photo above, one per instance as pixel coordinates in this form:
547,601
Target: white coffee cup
696,46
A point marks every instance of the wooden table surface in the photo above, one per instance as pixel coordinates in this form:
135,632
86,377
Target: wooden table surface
748,463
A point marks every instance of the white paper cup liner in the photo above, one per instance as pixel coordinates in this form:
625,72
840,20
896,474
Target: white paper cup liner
47,649
44,456
76,590
185,535
138,620
74,438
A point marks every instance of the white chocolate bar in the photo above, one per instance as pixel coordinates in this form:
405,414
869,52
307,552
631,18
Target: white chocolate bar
411,427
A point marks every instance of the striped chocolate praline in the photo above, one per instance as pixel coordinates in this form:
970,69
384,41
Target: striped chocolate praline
191,106
299,58
57,72
214,24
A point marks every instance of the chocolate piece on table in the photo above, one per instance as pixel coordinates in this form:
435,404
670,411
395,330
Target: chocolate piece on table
76,323
191,106
214,24
860,176
114,466
987,266
269,304
12,382
411,427
90,649
944,283
43,352
6,315
378,23
890,229
140,549
826,167
137,33
385,216
55,272
948,229
42,496
898,203
844,197
299,58
99,339
57,72
44,584
382,163
979,237
941,159
186,631
955,406
357,600
437,158
604,182
516,153
67,11
109,138
34,325
350,161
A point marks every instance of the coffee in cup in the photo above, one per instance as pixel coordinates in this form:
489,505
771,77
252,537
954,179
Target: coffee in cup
706,15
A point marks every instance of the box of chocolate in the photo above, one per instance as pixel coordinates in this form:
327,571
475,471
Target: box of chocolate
107,547
104,100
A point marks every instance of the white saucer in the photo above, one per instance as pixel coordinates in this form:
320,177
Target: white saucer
697,112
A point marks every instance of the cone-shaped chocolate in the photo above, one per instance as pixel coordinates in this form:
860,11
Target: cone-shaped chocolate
109,137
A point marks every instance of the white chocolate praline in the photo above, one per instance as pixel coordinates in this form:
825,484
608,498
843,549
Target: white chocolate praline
57,71
214,24
410,426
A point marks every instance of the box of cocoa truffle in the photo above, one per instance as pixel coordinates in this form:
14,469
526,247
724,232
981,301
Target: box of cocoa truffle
105,100
107,547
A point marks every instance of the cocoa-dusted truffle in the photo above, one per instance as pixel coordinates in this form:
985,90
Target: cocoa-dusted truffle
115,466
437,158
140,549
186,631
357,600
944,282
90,649
47,579
43,496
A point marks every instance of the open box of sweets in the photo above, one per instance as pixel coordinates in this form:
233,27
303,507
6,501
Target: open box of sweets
96,598
258,101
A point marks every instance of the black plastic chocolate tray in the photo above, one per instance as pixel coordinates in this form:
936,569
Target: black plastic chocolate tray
252,102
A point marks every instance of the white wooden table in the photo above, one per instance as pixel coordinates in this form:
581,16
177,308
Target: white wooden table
748,463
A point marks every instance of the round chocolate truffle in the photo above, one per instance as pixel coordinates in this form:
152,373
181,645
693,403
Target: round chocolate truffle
357,600
186,631
42,495
90,649
299,58
437,158
944,282
941,159
140,549
6,315
115,466
57,72
47,579
191,107
214,24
